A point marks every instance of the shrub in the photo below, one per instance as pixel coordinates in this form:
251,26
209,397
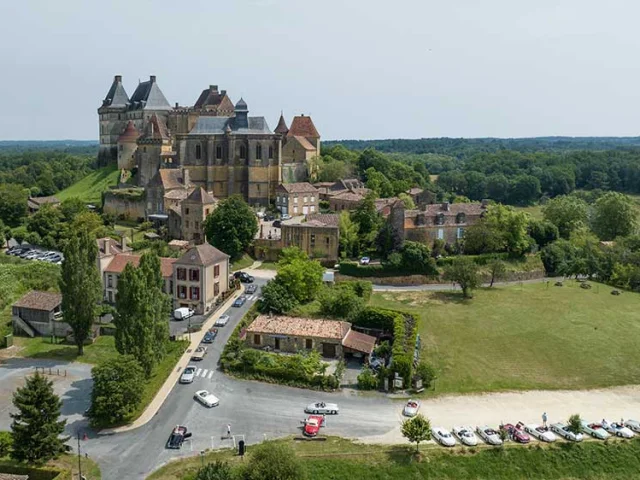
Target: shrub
367,380
5,443
340,303
427,373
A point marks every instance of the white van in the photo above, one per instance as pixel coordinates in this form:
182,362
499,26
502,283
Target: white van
182,313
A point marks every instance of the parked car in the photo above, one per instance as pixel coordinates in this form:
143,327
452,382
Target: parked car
563,430
250,289
55,258
183,313
595,430
321,407
244,277
443,436
285,216
617,429
209,337
411,408
207,398
25,252
188,374
177,437
240,301
489,435
466,436
633,425
365,261
516,432
541,433
277,224
222,321
312,425
199,354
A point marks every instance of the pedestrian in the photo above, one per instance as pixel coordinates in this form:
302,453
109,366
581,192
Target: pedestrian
324,420
544,419
228,429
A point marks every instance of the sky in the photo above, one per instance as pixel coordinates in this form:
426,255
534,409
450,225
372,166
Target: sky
363,69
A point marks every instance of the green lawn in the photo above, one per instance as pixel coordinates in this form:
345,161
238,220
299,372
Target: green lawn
243,262
66,464
268,266
535,211
39,347
532,336
90,188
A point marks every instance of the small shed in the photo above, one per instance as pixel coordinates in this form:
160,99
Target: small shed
39,313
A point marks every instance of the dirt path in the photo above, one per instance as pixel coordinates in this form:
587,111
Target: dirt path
494,408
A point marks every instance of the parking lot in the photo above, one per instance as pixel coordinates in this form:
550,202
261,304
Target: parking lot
31,252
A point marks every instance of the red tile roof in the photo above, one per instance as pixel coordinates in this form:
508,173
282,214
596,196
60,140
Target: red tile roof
304,143
300,327
122,259
303,126
359,342
130,134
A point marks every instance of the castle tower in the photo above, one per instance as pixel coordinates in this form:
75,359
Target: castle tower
241,119
112,121
301,145
127,146
152,144
282,128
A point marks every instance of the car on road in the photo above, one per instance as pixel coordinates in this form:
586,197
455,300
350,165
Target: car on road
182,313
188,374
285,216
210,336
244,277
617,429
489,435
177,437
312,425
240,301
277,224
411,408
250,289
365,261
595,430
222,321
465,435
199,354
564,431
207,398
633,425
443,436
541,433
321,407
516,432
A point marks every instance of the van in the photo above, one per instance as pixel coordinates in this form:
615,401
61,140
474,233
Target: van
182,313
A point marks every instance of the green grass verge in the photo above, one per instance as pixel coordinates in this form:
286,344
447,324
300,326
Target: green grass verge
243,262
268,266
63,468
40,347
532,336
339,459
90,188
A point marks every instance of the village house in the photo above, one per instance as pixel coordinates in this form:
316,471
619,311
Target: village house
317,235
329,189
297,198
34,203
331,338
168,188
346,200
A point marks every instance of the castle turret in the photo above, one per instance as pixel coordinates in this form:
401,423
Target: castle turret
282,128
112,121
151,146
241,119
127,145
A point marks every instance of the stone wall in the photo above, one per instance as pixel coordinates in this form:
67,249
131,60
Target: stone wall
123,206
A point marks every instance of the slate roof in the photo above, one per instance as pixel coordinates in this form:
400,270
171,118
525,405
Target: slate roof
300,327
303,126
218,125
281,128
36,300
359,342
211,97
148,96
109,246
130,134
326,219
201,196
300,187
204,254
169,178
155,129
177,194
116,96
122,259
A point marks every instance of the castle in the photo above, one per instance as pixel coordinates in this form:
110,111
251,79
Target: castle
215,145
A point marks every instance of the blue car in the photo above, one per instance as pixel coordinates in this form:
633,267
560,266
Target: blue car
240,301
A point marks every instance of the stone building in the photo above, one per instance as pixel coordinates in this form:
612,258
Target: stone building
39,313
194,210
317,235
297,198
127,146
168,188
346,200
35,203
300,144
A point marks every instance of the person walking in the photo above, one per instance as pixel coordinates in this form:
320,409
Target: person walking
544,419
228,430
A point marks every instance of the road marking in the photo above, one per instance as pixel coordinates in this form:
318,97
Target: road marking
198,372
204,373
211,374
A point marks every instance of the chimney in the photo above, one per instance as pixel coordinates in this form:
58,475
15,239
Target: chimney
177,105
152,79
223,92
185,176
213,87
117,78
485,203
123,243
445,206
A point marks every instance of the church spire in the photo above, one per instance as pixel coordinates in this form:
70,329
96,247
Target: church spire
282,128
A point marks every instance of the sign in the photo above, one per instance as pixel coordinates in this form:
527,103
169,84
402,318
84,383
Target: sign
418,383
397,382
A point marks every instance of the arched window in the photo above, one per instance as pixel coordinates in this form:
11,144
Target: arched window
219,152
270,151
243,152
198,152
461,218
258,152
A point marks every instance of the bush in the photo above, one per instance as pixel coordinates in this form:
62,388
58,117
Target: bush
426,373
276,298
340,302
367,380
274,461
6,441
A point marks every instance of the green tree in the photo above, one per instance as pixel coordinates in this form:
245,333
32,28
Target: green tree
217,470
574,424
13,203
615,215
408,202
116,390
276,298
274,461
568,213
525,190
301,277
464,272
368,220
557,257
377,182
290,254
387,241
427,374
340,303
45,221
417,429
498,187
36,427
416,258
497,269
543,232
6,442
232,226
348,235
80,286
511,226
482,238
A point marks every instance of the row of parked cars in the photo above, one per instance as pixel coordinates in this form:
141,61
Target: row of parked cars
31,253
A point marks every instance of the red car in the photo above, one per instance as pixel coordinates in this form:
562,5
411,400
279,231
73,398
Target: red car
312,425
516,433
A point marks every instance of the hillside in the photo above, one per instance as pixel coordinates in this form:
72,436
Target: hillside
90,188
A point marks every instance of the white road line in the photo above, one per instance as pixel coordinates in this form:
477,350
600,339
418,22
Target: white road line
204,373
198,372
211,374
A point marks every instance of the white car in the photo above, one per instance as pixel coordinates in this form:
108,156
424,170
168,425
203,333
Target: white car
222,321
595,430
617,429
563,430
206,398
411,408
489,435
466,436
633,425
443,436
321,407
188,374
541,433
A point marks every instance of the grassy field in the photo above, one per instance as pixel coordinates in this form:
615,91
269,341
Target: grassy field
243,262
535,211
268,266
338,459
533,336
90,188
39,347
67,464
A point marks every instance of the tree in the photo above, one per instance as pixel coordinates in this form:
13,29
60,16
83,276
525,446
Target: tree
276,298
416,258
301,277
408,202
574,424
217,470
497,269
274,461
464,272
482,238
36,427
525,190
13,203
116,390
290,254
557,257
498,187
615,215
232,226
348,235
80,286
426,373
510,226
340,302
368,220
543,232
377,182
417,429
6,442
568,213
387,241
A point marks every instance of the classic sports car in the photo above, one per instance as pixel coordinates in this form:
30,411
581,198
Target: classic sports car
312,425
188,374
489,435
222,321
516,432
466,436
541,433
321,407
178,436
595,430
633,425
617,429
199,353
206,398
563,430
443,436
411,408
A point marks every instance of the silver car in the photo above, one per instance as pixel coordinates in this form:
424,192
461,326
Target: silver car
321,407
222,321
563,430
188,374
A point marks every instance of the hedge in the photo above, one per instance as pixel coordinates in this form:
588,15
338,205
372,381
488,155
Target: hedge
353,269
481,259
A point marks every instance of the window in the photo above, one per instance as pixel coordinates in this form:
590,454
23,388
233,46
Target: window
295,210
195,293
182,291
110,295
308,343
216,271
219,152
144,149
206,212
313,208
295,199
440,219
186,211
440,233
186,224
243,152
216,288
270,152
198,152
461,218
181,273
313,198
194,275
256,339
305,199
313,240
110,281
170,287
327,241
460,232
258,152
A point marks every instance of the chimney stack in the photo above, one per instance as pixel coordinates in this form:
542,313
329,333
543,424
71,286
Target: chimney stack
117,78
123,243
185,177
152,79
213,87
445,206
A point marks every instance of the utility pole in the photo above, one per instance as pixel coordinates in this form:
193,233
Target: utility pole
79,458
